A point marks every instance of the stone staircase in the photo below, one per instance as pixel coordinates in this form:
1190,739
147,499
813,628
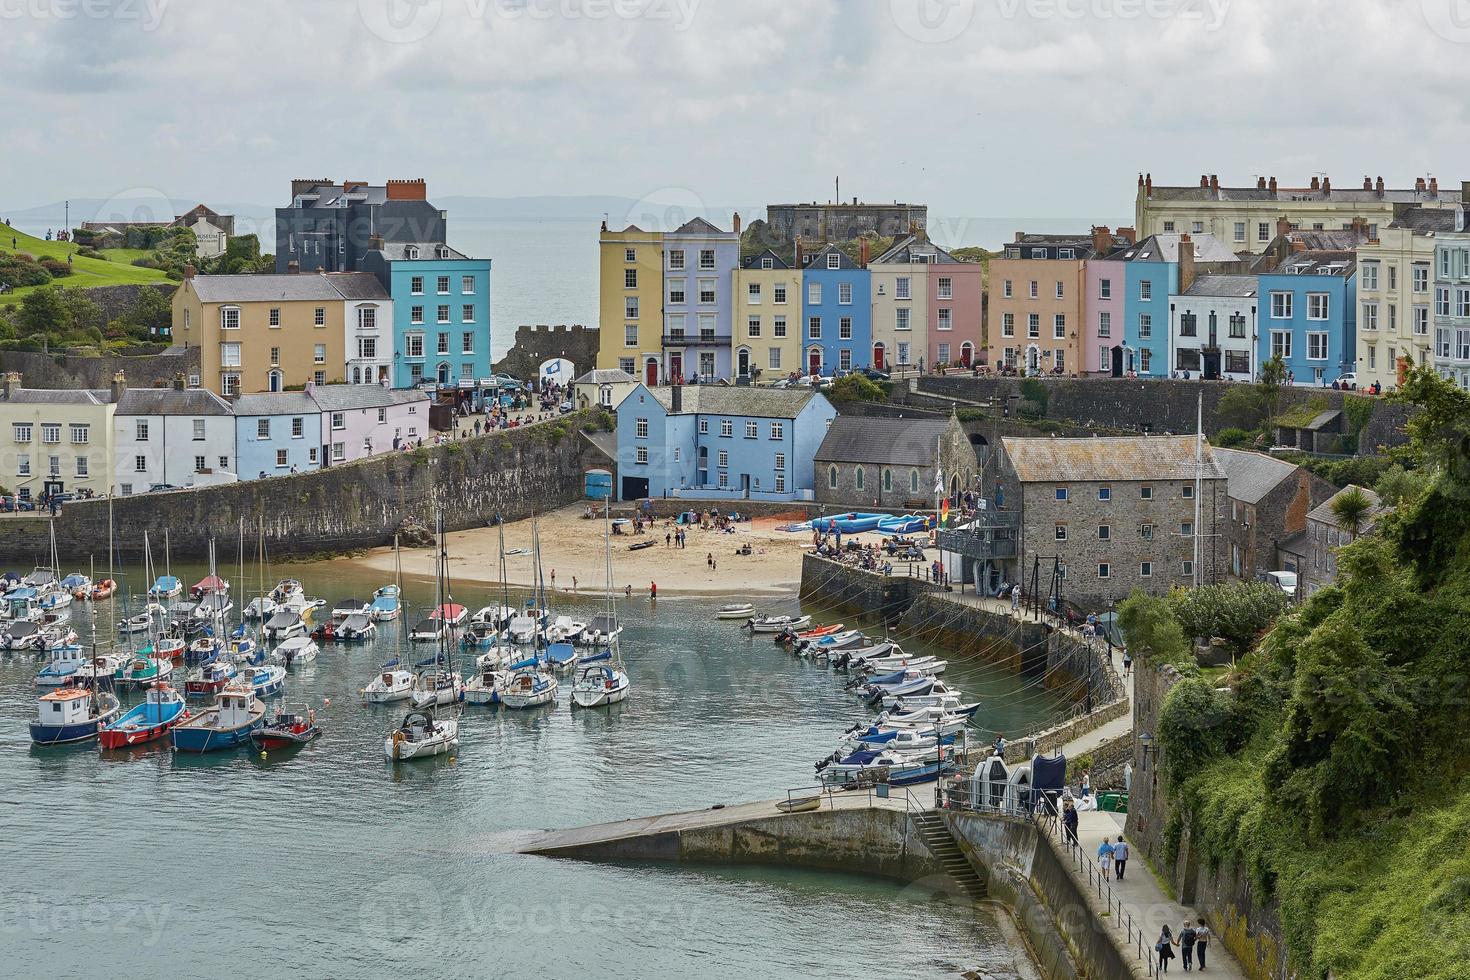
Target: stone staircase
935,834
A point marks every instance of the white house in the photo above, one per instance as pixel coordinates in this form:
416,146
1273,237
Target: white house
367,321
1212,328
606,387
173,436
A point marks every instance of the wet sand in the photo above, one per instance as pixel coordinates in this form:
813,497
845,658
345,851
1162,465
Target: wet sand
572,550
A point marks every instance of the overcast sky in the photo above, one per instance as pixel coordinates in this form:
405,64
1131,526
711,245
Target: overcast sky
991,108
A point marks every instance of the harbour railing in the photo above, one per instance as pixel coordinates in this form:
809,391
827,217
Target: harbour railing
826,797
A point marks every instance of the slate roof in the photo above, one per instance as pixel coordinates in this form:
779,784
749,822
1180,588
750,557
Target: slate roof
745,400
1425,221
698,226
1124,459
886,442
330,195
1310,263
276,403
1165,248
905,248
844,262
605,376
1323,511
1250,476
172,401
398,251
287,287
58,396
754,261
340,398
1338,194
1244,286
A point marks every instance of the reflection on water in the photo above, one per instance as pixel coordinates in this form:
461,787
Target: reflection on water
331,857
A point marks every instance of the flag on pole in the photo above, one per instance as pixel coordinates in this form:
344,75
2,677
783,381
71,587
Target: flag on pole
944,511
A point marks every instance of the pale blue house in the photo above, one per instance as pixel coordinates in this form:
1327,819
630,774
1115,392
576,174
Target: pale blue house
277,433
719,442
1151,274
1308,315
837,313
441,312
699,262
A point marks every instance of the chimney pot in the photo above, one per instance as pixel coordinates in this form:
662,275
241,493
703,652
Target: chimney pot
735,223
189,271
1316,183
1129,235
179,381
1419,184
1204,180
1260,183
12,383
1378,186
1326,185
1367,183
1271,185
1140,178
119,385
1148,185
1214,182
1434,187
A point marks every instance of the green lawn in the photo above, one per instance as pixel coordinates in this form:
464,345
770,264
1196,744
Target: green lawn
115,271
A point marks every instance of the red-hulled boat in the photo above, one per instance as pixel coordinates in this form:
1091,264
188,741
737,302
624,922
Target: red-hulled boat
287,730
147,722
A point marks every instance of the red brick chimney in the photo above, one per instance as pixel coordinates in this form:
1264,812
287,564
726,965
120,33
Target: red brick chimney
1140,178
1214,182
1148,185
1102,239
1419,184
1260,183
862,253
1316,183
1129,235
1271,185
1378,187
1186,262
1367,183
1283,226
798,253
735,223
1434,187
1204,180
1326,186
189,271
408,190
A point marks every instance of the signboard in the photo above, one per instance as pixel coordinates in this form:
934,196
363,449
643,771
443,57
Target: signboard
559,370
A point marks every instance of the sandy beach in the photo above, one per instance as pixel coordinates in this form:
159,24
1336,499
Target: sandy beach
572,551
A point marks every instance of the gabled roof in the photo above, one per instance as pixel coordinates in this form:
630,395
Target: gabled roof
606,376
172,401
754,261
886,442
1250,476
357,285
1242,286
1165,248
1124,459
287,287
341,398
1317,262
698,226
810,260
1323,512
398,251
743,400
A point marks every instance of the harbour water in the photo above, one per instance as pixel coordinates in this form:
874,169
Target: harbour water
334,862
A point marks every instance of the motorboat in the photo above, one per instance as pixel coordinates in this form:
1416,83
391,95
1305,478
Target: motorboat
213,606
479,636
175,648
140,623
142,672
357,628
166,587
385,605
496,616
160,711
55,600
897,739
561,657
266,680
915,698
287,730
245,650
928,665
390,685
528,687
428,631
209,585
210,679
42,579
61,666
261,607
450,612
72,715
284,624
565,629
868,766
287,592
437,687
99,672
524,625
602,630
737,610
421,735
817,632
298,650
203,650
949,702
77,585
775,624
600,684
23,605
343,608
236,714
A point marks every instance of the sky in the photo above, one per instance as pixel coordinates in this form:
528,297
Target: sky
983,109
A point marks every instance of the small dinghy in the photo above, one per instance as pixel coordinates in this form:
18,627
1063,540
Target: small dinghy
287,730
135,624
103,590
72,715
77,585
421,735
480,636
799,804
236,714
775,624
738,610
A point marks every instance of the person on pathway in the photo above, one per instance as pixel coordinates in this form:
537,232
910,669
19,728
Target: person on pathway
1127,663
1015,597
1086,783
1165,948
1186,944
1120,857
1000,745
1069,821
653,590
1105,858
668,540
1201,942
1127,777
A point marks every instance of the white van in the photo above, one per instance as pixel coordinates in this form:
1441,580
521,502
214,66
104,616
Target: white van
1285,581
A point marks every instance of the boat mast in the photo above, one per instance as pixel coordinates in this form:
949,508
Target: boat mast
612,617
1199,466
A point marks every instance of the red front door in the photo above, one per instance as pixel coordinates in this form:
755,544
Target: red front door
650,373
878,357
676,368
814,362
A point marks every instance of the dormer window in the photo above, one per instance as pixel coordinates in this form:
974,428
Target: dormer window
834,261
767,264
442,251
410,251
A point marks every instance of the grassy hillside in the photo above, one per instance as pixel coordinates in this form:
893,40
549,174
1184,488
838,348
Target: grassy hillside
117,269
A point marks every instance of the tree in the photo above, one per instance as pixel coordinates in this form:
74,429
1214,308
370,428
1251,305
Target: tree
43,312
1350,507
1273,377
855,387
1236,612
1151,630
1397,484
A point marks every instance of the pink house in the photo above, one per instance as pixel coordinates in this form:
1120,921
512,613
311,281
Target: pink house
363,420
956,310
1103,304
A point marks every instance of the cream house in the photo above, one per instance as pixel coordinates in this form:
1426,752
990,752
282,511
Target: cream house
767,317
57,440
899,284
1396,295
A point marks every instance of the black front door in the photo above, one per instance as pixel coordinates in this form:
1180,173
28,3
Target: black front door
1212,365
635,487
1117,353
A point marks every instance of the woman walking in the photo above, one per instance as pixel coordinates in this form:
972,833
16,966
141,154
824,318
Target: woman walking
1165,948
1105,858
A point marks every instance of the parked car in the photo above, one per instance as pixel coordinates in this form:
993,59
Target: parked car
1349,380
873,374
10,505
163,487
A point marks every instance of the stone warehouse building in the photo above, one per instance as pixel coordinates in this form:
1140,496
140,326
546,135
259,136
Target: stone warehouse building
1326,533
1268,500
888,462
1119,514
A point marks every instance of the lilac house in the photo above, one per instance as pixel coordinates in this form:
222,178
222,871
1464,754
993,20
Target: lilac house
1102,316
699,262
358,421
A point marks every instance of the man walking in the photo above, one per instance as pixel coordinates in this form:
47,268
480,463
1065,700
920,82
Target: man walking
1120,859
1201,942
1015,597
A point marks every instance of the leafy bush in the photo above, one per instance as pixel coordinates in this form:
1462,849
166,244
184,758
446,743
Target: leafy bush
1236,612
1232,437
57,268
1034,390
88,252
1152,632
855,388
22,270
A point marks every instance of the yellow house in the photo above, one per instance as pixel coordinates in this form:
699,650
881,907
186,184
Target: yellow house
269,332
630,307
767,317
56,439
1396,295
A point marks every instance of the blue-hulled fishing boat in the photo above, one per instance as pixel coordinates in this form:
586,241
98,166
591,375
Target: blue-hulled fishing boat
236,714
385,604
266,680
153,719
72,715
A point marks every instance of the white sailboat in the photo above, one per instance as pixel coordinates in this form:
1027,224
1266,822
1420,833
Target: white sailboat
393,682
421,733
601,678
531,685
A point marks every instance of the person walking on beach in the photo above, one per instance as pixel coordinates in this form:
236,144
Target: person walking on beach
1186,944
574,583
1201,943
709,559
1120,858
668,540
653,590
1105,859
1165,948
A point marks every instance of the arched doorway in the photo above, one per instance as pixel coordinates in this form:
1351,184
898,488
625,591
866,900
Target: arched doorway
1033,359
277,382
967,353
443,374
879,358
650,372
814,361
742,362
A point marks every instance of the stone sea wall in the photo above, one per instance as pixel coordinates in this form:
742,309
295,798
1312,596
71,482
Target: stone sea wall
513,474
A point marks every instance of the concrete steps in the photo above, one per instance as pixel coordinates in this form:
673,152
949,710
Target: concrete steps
935,834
